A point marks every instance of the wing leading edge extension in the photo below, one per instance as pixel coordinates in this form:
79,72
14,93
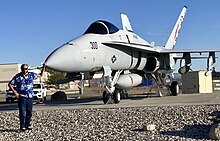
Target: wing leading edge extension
154,49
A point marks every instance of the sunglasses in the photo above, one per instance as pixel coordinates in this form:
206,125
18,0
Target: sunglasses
24,68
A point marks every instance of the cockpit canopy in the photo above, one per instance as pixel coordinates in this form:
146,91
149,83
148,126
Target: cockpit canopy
101,27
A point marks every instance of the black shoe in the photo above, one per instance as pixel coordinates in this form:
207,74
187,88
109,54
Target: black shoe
23,129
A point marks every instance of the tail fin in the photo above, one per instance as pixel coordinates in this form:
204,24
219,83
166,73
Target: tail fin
174,34
126,23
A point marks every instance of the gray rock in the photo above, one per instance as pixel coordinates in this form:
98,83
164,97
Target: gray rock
179,123
149,127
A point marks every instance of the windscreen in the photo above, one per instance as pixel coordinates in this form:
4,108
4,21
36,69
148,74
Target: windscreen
101,27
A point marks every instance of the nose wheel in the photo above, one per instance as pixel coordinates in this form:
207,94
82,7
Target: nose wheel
108,97
116,96
111,92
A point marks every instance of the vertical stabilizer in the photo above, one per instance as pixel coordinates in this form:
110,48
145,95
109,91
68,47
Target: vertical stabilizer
174,34
126,23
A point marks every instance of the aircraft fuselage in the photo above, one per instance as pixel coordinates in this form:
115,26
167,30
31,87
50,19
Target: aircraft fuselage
88,52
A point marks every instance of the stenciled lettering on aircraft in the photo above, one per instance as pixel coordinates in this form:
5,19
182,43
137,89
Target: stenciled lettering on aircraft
119,37
135,36
94,45
113,59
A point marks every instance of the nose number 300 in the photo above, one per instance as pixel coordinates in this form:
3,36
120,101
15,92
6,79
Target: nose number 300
94,45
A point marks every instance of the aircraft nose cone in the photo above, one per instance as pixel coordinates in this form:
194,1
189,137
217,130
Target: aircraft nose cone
65,58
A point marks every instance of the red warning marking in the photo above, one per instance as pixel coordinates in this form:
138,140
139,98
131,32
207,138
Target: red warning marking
132,81
176,31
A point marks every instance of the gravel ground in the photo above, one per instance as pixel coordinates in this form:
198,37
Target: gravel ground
172,123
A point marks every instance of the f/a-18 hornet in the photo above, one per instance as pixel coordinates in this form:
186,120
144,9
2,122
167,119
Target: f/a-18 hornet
124,58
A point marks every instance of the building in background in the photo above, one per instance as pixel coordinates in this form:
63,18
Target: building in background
7,71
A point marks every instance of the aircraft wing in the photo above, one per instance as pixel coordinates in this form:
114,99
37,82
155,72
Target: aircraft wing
192,57
187,51
154,49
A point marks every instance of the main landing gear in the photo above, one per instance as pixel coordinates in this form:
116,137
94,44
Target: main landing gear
171,88
174,88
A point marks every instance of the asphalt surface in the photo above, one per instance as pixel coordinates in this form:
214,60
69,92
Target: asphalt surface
132,101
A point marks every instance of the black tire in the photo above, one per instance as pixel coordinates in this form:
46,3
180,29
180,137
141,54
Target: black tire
45,98
116,96
41,100
124,94
105,97
174,88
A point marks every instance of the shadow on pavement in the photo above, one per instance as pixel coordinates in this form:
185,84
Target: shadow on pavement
10,130
73,101
13,106
191,131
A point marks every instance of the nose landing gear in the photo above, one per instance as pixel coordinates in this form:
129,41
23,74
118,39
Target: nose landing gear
108,97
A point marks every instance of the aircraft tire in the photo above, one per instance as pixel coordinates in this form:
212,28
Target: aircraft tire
45,98
174,88
105,97
42,100
124,94
116,96
7,100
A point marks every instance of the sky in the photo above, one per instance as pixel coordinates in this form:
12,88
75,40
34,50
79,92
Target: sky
31,29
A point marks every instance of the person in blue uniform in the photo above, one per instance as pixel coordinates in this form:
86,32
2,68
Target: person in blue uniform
22,86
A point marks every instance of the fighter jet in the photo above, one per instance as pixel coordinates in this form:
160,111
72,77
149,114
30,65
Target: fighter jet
124,58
